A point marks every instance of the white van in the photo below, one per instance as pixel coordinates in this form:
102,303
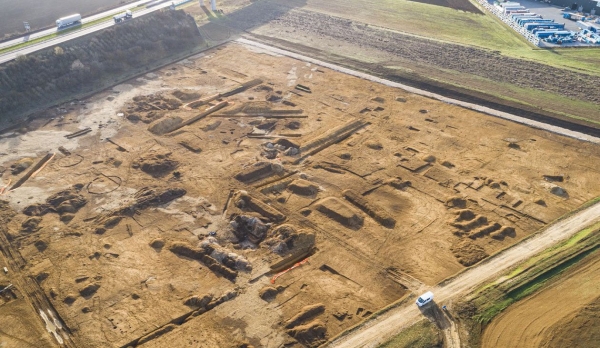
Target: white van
424,299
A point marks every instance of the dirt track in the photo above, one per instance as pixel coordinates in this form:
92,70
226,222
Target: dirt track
381,329
532,319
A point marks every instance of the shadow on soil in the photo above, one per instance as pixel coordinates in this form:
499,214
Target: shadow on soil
259,13
436,315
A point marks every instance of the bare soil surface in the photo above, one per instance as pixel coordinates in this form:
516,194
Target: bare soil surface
173,216
382,328
563,313
369,40
580,330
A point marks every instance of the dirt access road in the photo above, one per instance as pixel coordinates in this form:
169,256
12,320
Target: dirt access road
384,327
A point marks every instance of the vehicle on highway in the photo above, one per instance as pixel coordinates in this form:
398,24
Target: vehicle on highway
424,299
73,19
123,16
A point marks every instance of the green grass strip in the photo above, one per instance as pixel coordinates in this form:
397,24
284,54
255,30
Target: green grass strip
530,287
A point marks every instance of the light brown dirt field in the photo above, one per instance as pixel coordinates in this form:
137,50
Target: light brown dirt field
384,327
372,39
580,330
16,329
533,322
438,183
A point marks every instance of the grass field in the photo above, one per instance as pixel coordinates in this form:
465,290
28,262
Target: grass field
522,300
534,273
545,316
421,335
446,24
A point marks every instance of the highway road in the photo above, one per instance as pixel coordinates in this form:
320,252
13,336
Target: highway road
43,33
74,34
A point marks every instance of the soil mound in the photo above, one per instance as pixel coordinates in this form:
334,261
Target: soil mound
147,197
31,224
306,313
156,164
505,231
478,221
165,126
154,101
287,143
250,228
285,239
339,211
21,165
63,202
184,249
185,95
258,171
36,209
485,230
468,253
244,201
303,187
202,255
374,211
268,293
198,301
312,334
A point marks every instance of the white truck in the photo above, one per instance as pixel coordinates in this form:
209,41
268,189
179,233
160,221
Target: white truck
68,20
425,299
123,16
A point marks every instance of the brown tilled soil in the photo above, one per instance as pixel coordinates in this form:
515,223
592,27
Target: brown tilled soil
580,330
157,239
565,314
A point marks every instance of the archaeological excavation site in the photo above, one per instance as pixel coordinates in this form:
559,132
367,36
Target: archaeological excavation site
244,198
